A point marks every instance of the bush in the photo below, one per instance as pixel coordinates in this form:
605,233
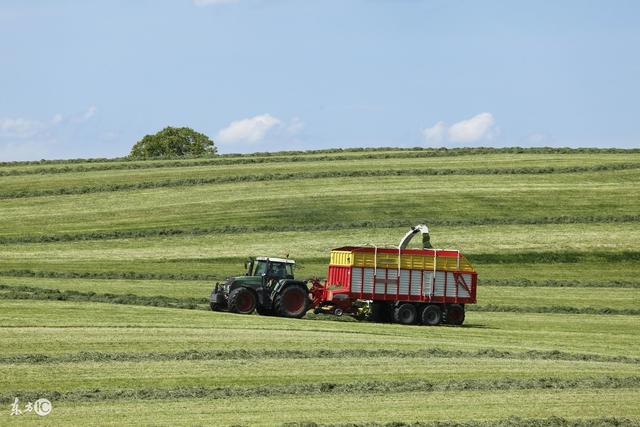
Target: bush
173,142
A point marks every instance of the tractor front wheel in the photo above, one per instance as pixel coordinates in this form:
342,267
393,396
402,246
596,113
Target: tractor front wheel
292,301
242,301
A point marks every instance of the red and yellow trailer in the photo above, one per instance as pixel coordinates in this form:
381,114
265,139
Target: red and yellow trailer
428,286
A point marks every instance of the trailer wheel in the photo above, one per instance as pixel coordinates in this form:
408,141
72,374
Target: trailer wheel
242,301
379,312
405,314
293,301
454,314
431,315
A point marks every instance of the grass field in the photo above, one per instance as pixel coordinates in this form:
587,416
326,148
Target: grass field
106,266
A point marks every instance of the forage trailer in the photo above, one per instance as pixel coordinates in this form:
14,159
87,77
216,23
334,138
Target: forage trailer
428,286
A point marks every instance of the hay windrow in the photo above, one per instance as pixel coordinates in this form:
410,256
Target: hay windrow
560,309
242,354
32,293
295,155
11,292
366,387
353,225
505,422
315,175
553,283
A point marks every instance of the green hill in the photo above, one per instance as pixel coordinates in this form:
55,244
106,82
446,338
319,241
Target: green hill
106,266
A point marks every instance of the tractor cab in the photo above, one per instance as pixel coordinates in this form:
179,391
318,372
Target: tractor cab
271,268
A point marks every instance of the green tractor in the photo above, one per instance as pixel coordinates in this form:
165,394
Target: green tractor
267,287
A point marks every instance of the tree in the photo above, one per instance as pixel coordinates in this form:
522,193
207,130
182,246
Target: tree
173,142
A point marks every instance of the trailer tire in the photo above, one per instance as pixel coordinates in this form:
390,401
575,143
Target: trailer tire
292,301
379,312
454,315
405,314
431,315
242,301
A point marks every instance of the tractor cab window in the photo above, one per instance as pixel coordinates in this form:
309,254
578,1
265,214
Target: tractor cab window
261,268
281,270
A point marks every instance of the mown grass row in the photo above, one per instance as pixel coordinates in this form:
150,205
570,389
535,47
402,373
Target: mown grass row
48,182
619,298
225,161
133,275
109,166
504,422
316,175
363,388
553,283
55,327
435,152
9,292
556,257
206,162
29,292
559,309
540,257
144,275
244,354
353,225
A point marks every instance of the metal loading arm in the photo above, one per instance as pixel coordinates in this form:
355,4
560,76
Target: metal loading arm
421,228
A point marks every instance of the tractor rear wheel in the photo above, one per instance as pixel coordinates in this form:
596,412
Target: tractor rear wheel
454,314
405,314
292,301
431,315
379,311
242,301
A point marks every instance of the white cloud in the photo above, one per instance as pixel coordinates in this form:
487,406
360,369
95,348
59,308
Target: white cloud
434,134
249,130
201,3
21,128
255,129
27,139
477,128
480,127
25,128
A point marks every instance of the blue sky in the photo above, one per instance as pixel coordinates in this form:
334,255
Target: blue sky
90,78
